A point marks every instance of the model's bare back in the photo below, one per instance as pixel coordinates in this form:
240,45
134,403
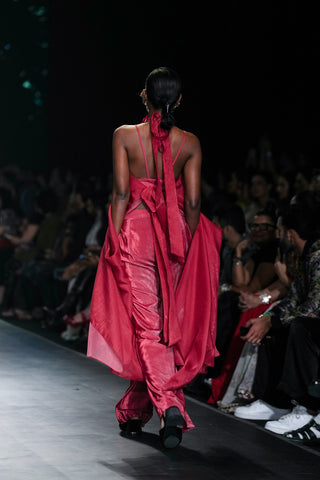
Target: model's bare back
135,155
128,159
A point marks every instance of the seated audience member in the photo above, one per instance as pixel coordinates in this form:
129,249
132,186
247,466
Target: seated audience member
22,241
42,236
41,283
248,275
289,339
239,388
9,217
303,179
257,272
285,266
80,276
232,222
261,194
283,189
237,187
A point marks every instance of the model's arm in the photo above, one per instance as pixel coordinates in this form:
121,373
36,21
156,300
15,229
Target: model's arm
192,182
121,181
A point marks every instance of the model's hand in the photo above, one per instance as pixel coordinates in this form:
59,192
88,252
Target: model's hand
259,327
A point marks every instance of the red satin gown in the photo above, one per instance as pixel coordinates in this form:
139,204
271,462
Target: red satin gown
153,310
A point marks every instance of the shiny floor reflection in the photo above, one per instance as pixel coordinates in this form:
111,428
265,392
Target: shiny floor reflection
57,423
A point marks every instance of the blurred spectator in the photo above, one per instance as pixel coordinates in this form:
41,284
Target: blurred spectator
239,388
252,274
232,221
238,188
29,249
73,313
283,189
261,194
303,179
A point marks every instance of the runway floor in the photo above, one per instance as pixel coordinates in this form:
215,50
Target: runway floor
57,423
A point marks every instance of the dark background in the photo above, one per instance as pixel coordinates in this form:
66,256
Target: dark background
248,69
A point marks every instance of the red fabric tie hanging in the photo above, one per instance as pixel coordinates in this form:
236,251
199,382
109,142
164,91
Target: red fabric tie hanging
161,143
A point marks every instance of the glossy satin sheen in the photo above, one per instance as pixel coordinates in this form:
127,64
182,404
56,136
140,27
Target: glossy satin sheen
156,358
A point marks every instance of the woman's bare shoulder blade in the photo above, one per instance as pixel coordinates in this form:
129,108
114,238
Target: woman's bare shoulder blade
123,133
124,129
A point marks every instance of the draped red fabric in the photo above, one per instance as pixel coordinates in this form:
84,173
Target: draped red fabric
188,271
189,310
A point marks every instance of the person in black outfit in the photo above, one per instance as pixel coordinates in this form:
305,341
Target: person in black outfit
232,222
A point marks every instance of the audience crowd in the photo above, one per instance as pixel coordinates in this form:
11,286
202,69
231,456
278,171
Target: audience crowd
52,228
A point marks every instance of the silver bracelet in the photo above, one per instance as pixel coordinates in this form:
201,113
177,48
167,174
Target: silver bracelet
265,297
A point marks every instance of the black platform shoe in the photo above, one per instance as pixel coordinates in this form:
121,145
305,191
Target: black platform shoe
171,433
132,427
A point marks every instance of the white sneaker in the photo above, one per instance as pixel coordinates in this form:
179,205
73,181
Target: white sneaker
259,410
307,434
317,419
299,417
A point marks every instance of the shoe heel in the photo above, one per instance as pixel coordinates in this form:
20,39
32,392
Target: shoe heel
170,437
173,417
171,433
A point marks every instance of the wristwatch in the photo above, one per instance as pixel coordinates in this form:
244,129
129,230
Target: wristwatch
265,297
225,287
237,260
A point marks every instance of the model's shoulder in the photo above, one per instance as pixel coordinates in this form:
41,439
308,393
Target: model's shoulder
192,137
189,135
124,133
191,140
124,129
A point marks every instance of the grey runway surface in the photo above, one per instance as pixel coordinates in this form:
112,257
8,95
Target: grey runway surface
57,423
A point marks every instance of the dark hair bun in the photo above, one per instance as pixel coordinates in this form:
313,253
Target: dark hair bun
163,87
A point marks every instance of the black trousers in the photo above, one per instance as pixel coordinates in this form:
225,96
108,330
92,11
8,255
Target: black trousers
288,363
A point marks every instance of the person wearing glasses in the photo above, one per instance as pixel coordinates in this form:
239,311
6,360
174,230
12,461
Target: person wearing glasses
251,277
258,272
